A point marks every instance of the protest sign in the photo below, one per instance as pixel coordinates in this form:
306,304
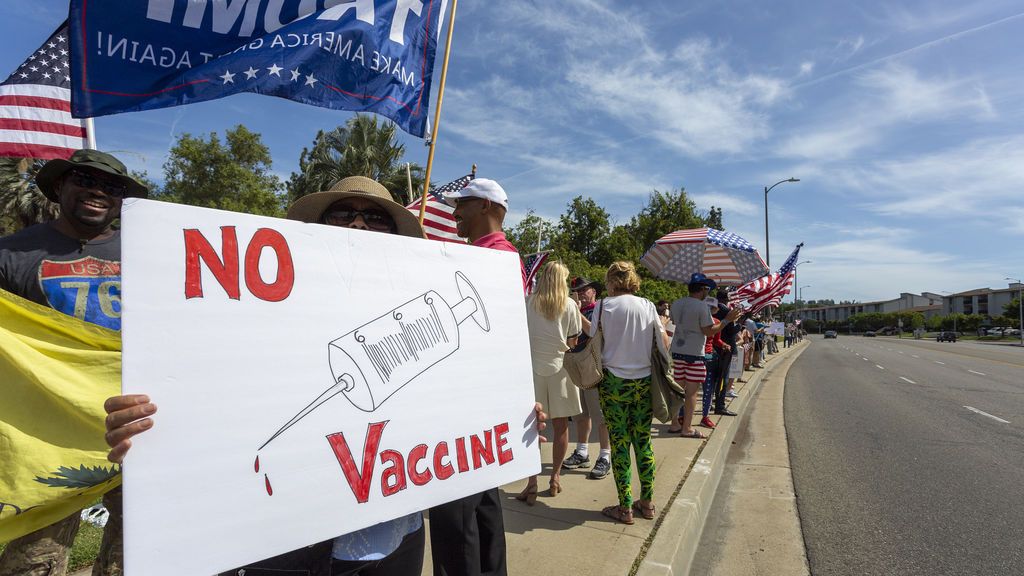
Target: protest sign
776,329
360,55
311,381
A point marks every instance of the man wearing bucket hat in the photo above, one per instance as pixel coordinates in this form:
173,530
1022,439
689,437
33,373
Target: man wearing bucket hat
694,325
35,264
586,291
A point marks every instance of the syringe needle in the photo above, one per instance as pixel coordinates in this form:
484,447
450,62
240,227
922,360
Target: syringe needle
345,383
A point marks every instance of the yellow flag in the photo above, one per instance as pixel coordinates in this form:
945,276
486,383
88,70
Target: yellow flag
55,373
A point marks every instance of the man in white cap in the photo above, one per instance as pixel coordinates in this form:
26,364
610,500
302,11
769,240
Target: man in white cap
480,210
467,536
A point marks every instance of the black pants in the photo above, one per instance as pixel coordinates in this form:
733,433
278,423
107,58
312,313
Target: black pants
312,560
467,536
724,360
406,560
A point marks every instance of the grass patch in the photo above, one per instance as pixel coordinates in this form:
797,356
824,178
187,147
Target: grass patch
84,550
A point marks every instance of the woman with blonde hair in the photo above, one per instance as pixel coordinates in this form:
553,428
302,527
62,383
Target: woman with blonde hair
631,326
554,322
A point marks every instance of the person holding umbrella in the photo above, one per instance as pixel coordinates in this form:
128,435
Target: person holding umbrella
694,325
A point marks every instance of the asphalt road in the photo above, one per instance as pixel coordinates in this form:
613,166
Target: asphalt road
908,456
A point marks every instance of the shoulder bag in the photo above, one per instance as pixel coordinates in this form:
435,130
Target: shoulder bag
585,368
663,384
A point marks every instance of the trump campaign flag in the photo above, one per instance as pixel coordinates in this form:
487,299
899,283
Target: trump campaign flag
35,105
360,55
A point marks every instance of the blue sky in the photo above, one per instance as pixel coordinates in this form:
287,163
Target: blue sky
903,120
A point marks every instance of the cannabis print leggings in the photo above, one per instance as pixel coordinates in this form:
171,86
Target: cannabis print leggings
626,405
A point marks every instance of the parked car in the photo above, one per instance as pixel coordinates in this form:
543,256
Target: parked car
1011,332
831,334
994,332
888,331
869,334
946,337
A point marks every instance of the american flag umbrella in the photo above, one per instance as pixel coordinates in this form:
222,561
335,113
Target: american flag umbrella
724,257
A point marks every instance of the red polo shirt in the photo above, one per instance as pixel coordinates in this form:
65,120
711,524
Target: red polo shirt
497,241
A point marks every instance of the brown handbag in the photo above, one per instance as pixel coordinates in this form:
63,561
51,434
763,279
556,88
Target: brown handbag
585,368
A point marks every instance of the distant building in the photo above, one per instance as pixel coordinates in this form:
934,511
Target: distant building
985,301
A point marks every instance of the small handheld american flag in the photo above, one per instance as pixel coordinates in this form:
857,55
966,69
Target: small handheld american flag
35,105
532,265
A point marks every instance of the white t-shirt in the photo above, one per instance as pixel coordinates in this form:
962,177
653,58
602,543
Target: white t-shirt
690,315
547,337
630,324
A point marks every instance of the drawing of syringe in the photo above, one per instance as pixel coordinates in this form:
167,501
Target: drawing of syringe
372,362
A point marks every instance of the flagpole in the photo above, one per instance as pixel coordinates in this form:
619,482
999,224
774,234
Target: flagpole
437,112
90,134
408,178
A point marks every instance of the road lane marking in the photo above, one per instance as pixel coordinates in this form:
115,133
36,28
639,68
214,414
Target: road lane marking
915,355
907,380
901,351
937,362
987,414
879,367
978,373
864,358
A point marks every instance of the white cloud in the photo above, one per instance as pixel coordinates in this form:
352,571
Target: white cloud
806,68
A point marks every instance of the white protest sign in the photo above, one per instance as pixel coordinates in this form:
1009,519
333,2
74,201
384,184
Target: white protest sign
310,381
776,328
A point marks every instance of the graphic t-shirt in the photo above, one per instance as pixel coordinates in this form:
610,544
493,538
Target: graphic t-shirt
81,280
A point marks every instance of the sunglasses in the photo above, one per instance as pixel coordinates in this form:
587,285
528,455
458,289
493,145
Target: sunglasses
375,219
109,187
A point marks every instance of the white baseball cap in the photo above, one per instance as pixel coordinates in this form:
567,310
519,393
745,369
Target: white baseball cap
480,188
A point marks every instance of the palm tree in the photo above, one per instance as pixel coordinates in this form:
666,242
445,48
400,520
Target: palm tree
21,202
363,147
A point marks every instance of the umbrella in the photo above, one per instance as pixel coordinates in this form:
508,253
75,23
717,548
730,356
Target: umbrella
722,256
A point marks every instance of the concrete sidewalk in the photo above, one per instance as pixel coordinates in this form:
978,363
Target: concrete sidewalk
568,535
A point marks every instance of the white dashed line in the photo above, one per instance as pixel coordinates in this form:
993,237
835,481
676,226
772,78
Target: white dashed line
864,358
879,367
978,373
987,414
901,351
915,355
907,380
937,362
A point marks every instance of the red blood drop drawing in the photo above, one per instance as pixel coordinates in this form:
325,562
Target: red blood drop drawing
270,491
257,464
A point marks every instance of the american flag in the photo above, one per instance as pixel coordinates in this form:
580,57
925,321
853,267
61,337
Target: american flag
532,265
35,105
438,222
769,290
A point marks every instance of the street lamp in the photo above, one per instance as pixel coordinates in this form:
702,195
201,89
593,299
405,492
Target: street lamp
794,275
1020,307
767,189
800,290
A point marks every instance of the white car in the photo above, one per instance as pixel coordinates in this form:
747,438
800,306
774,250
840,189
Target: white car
994,332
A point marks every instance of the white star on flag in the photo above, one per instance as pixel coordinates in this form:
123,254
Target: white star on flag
228,77
250,73
295,74
275,70
310,80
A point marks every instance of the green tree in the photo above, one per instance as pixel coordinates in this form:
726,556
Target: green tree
529,230
1012,312
714,219
582,227
233,175
664,212
22,204
362,147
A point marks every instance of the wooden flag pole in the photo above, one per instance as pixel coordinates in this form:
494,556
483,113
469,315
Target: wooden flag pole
437,112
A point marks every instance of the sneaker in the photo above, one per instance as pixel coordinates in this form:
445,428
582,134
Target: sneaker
577,460
706,422
601,469
731,394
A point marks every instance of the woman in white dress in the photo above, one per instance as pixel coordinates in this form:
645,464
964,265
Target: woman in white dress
554,322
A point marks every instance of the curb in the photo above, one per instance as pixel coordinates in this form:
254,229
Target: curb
675,539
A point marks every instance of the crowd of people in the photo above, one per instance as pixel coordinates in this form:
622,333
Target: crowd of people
709,342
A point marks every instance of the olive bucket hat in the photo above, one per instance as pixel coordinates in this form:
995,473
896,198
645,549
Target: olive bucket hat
51,172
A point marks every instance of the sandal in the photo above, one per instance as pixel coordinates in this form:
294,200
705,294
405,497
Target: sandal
694,434
528,495
679,420
554,487
646,511
620,514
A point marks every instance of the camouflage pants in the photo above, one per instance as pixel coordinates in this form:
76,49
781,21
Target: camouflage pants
45,551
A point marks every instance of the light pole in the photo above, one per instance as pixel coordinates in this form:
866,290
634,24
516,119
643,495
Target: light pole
794,276
767,189
800,290
1020,307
